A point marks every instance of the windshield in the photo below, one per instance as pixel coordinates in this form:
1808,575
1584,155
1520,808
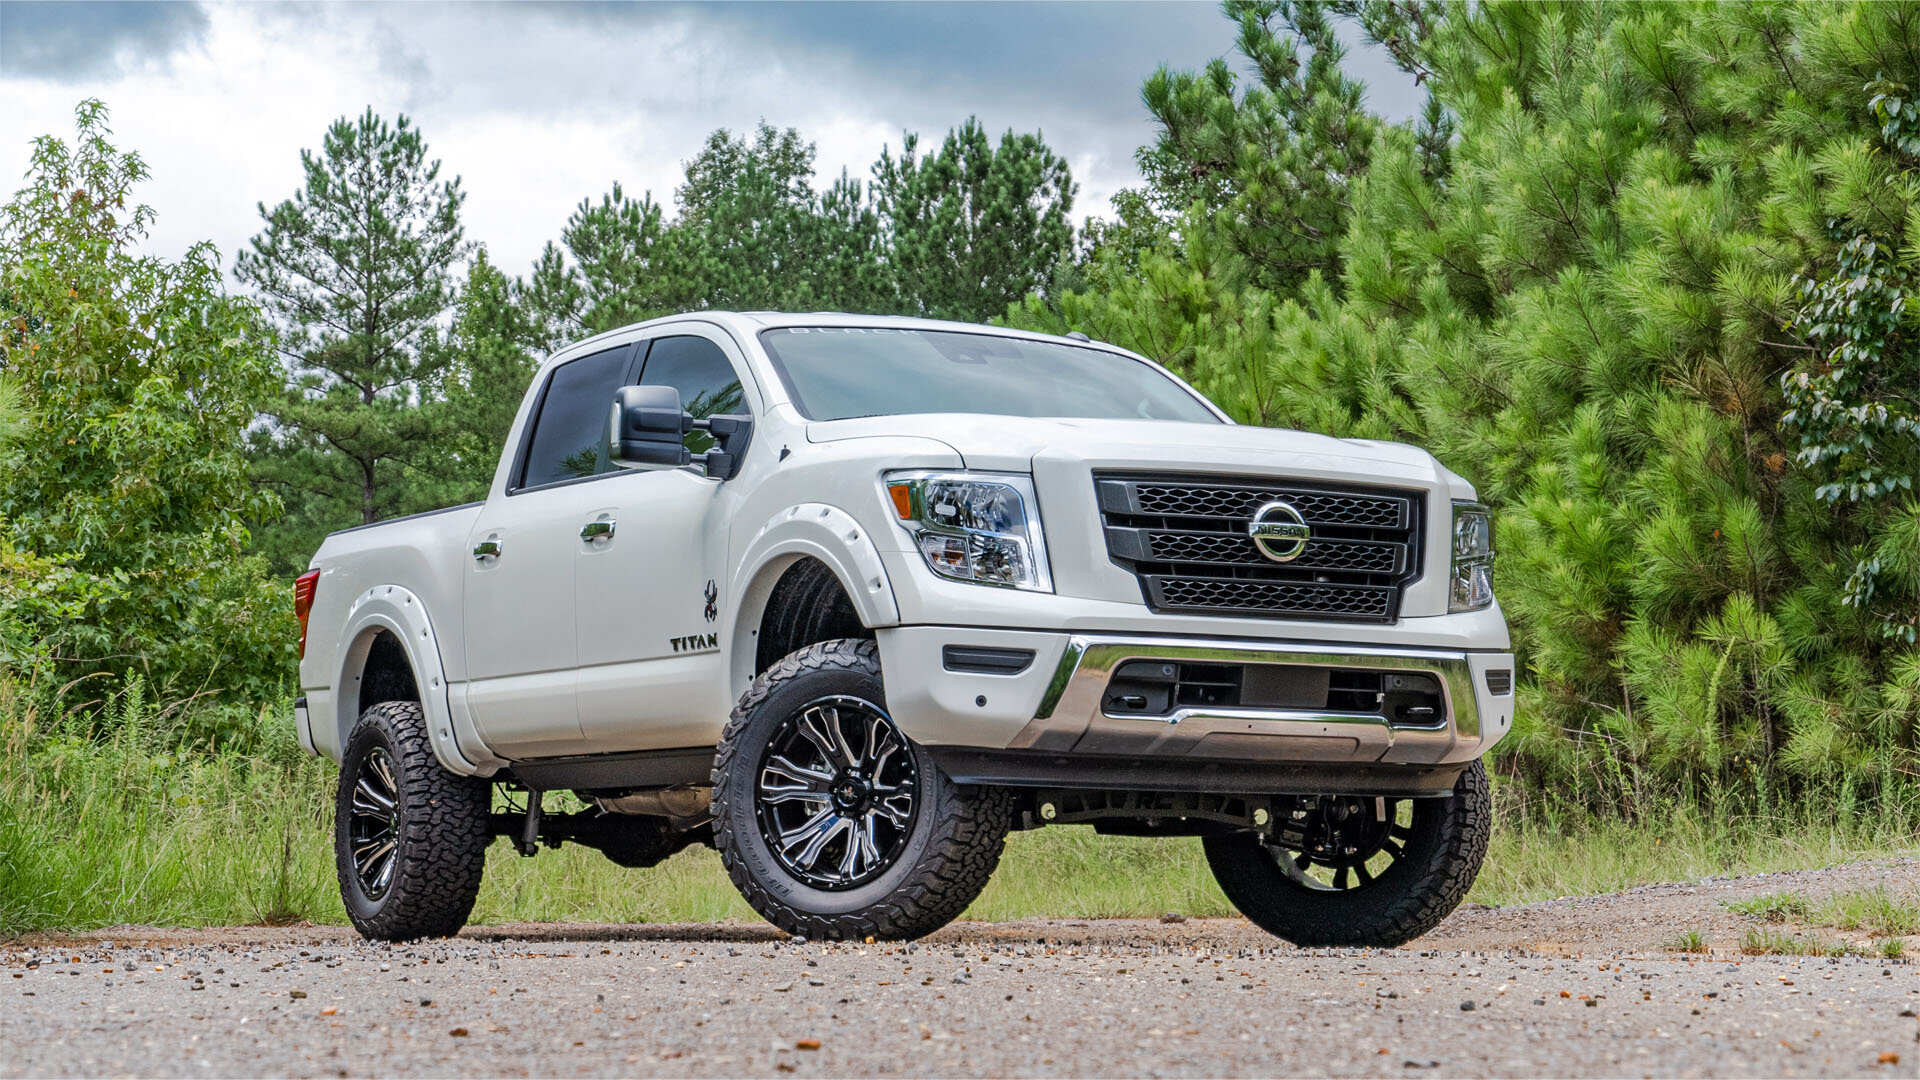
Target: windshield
837,373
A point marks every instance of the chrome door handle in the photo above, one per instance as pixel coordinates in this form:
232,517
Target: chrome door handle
598,530
486,549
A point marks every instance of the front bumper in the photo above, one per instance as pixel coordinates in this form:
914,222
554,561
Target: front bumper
1055,707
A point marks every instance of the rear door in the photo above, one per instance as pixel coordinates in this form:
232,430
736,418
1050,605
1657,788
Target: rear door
521,618
650,596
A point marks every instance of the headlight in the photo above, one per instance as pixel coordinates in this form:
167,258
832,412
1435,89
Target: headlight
1472,558
978,527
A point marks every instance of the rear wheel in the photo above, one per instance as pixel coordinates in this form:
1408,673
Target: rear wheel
832,823
410,838
1359,870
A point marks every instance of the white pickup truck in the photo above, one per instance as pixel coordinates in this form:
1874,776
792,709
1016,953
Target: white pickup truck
849,598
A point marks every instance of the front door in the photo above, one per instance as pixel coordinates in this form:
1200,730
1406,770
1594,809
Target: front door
650,592
521,618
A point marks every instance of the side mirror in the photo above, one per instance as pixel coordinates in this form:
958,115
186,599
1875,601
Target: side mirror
647,429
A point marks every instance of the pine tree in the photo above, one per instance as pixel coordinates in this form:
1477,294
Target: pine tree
614,265
974,226
749,230
1269,165
356,268
489,355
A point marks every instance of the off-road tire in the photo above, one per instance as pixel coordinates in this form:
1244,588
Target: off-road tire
443,832
1441,860
952,847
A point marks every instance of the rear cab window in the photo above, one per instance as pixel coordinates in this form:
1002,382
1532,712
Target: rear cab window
566,443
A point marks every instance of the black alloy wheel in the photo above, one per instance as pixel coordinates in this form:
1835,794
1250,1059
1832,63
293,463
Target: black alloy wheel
1347,870
373,823
1333,843
834,791
829,819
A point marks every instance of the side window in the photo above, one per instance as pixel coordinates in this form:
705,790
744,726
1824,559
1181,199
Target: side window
567,443
699,370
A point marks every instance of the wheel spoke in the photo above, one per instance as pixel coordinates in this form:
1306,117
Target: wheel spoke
851,856
841,746
369,853
1360,871
385,876
896,808
368,799
813,726
869,849
1340,878
889,745
774,796
812,837
785,767
810,855
383,768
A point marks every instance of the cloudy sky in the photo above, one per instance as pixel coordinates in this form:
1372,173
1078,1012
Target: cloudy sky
538,106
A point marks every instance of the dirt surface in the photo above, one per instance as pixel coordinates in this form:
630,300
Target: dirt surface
1565,987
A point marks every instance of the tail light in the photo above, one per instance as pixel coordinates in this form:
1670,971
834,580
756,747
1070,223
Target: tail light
303,588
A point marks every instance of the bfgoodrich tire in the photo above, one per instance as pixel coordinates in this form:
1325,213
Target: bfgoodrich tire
1359,871
410,838
830,822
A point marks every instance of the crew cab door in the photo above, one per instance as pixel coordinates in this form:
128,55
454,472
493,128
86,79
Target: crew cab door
650,590
521,618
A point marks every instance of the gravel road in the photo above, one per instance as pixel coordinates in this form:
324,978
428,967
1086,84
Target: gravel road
1568,987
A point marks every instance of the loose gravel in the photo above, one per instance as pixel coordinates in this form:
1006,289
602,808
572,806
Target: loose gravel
1570,987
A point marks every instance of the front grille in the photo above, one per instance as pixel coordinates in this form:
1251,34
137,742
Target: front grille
1186,539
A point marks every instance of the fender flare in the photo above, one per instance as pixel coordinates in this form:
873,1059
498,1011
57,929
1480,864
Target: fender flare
396,610
815,530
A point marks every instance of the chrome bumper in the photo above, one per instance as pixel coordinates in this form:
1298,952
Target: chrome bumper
1070,718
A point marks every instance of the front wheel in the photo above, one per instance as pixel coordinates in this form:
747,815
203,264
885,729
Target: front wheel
1352,870
832,823
410,838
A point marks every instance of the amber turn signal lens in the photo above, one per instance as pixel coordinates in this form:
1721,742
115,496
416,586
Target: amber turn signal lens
902,495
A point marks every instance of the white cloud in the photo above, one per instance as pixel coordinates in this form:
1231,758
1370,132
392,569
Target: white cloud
536,108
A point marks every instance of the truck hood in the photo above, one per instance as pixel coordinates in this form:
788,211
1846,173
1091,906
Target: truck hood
1019,444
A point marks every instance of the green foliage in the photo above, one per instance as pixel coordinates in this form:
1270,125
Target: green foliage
486,363
357,268
1771,907
1271,166
1854,400
129,383
957,234
1687,941
973,227
1583,302
620,270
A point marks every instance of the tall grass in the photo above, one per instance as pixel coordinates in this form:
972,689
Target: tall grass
139,815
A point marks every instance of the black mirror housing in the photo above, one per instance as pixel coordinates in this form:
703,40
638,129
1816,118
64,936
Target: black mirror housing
648,428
